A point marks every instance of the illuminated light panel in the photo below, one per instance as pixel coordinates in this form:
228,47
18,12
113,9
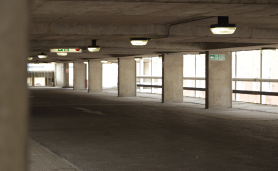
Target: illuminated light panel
30,58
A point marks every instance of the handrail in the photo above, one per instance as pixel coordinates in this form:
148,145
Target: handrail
204,89
203,78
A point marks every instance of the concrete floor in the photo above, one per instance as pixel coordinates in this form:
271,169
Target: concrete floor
102,132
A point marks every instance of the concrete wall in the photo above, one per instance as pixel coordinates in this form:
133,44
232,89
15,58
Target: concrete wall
172,78
127,77
59,75
95,75
219,81
13,88
79,74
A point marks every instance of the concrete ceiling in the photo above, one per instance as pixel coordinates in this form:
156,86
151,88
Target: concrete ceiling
73,23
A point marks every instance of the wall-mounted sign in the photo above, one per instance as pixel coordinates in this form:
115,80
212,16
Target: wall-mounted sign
214,57
69,50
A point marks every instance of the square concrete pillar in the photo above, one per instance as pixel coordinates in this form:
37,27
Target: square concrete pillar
59,75
172,78
79,76
218,80
14,103
66,75
126,77
95,75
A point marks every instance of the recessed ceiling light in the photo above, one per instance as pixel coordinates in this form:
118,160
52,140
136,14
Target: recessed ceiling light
139,41
42,55
94,47
223,26
30,58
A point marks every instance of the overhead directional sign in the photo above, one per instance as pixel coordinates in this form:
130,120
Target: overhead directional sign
217,57
69,50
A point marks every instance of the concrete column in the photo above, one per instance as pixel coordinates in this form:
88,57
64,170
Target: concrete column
59,75
219,80
95,76
13,88
127,77
172,78
33,80
79,74
66,75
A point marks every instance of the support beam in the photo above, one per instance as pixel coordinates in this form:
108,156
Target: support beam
172,78
127,77
95,76
219,80
79,74
13,89
66,75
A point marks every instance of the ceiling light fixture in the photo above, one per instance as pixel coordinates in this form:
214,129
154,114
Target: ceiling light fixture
202,54
268,49
139,41
30,58
94,47
223,26
138,58
104,61
62,54
42,55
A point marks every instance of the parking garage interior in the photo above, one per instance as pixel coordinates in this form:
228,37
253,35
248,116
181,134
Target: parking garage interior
138,85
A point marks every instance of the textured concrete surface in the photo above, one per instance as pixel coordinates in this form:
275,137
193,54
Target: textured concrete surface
14,102
172,77
58,24
101,131
41,159
220,81
126,77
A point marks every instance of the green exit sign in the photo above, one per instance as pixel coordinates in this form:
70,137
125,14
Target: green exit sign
214,57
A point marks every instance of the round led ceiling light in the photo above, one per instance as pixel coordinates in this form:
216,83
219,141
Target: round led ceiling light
268,49
223,26
62,54
94,47
139,41
42,55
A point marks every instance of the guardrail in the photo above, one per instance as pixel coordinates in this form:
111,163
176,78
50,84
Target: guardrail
204,89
